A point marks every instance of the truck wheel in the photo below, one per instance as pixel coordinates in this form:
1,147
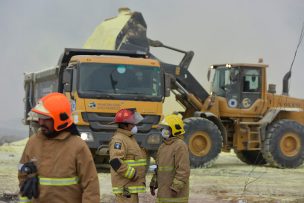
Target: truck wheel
284,144
204,141
251,157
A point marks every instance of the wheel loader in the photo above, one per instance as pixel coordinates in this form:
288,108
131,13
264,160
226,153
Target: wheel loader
240,113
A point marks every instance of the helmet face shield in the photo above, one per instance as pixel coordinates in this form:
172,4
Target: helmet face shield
162,127
137,118
33,116
42,116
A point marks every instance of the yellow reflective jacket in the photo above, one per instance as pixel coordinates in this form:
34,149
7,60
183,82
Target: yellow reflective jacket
173,171
125,148
65,166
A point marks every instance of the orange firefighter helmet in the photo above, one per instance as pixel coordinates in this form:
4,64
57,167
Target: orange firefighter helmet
56,106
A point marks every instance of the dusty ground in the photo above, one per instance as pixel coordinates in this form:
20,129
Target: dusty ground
229,180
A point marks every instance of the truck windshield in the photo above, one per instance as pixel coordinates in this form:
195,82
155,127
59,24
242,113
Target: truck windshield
223,78
120,81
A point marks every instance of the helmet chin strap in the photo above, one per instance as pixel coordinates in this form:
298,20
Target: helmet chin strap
51,134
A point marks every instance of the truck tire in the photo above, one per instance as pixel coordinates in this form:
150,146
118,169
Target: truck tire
284,144
204,141
251,157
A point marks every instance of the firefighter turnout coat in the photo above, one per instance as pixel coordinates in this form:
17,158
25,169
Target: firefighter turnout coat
127,160
65,166
173,171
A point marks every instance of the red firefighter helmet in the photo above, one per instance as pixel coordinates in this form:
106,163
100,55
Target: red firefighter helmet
56,106
128,116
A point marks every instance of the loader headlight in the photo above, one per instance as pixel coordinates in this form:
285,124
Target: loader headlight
87,136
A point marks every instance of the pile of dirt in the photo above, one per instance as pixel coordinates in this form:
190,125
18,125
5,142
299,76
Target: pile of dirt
9,197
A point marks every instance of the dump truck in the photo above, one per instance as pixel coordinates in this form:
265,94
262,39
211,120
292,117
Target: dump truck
98,83
238,113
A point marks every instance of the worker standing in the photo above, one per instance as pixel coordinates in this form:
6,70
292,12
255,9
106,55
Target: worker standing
127,159
173,166
56,164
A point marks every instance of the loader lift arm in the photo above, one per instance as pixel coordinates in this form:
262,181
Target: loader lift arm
127,31
190,90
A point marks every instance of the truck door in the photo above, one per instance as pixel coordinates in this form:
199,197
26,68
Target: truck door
250,87
233,87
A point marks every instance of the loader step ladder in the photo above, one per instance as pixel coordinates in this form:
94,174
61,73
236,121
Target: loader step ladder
252,131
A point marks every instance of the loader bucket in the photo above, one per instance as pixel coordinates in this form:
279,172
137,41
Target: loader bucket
127,31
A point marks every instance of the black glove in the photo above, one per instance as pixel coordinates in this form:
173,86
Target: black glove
152,190
126,193
29,188
153,183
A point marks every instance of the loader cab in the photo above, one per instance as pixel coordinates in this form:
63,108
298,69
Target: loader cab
240,84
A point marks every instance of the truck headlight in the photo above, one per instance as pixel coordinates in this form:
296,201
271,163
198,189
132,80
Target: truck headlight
154,139
87,136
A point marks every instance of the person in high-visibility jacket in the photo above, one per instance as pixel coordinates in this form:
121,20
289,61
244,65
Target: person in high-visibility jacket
171,176
56,164
127,159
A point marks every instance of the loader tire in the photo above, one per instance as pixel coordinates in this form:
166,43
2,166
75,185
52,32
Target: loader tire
204,141
284,144
251,157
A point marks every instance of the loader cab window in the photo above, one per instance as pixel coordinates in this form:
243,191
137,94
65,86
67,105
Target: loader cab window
120,81
251,80
224,80
241,86
251,86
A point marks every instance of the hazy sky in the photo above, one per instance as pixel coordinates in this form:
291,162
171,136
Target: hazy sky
33,34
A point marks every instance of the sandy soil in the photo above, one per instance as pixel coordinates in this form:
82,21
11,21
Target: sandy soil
228,180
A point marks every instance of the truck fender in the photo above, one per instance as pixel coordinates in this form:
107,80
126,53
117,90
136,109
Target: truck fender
271,115
213,118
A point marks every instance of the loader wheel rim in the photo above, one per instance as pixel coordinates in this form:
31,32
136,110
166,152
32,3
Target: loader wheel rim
200,143
290,144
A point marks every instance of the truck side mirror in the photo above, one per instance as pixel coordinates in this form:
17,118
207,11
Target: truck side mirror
208,74
67,79
167,84
67,87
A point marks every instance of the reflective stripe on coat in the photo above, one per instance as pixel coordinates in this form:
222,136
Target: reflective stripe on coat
173,171
66,169
124,147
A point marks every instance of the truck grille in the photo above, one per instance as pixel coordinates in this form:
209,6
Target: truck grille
102,121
